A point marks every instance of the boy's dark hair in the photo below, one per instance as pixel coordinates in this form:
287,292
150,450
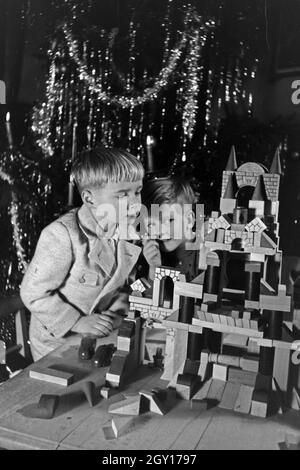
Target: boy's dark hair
167,190
97,167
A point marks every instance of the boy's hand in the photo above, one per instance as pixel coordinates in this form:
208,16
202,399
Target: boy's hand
152,255
96,324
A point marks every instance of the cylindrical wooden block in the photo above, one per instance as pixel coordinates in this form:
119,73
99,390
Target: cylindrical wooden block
266,360
274,328
195,344
227,360
212,279
252,287
162,292
187,310
240,215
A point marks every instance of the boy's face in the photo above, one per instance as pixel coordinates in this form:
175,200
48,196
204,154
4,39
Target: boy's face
171,227
116,203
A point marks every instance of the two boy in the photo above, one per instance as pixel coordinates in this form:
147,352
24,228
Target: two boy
77,280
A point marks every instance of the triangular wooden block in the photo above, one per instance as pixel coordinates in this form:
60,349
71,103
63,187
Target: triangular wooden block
155,405
174,316
129,407
121,424
295,404
89,390
203,392
199,279
173,381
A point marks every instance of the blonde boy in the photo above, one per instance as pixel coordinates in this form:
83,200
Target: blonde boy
75,280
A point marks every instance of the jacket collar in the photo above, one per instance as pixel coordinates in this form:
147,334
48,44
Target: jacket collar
102,250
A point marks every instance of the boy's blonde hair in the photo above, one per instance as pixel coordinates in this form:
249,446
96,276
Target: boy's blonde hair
97,167
167,190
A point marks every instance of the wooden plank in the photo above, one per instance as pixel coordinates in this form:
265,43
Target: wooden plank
243,402
50,375
230,396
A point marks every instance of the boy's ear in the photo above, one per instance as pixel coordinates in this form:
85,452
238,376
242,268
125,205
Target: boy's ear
87,197
191,219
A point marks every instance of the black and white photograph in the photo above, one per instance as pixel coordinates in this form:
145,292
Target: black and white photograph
149,227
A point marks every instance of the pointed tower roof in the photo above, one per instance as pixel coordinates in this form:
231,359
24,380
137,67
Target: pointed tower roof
260,190
232,163
231,188
276,164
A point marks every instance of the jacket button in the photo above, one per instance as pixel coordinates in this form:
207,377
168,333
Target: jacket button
82,280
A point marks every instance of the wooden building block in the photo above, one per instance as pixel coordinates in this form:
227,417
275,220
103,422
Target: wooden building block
243,402
259,409
240,376
246,315
250,363
281,368
220,372
188,289
254,324
230,396
2,352
156,290
216,318
108,432
51,375
252,304
220,235
208,317
191,367
121,424
184,391
125,344
210,297
216,390
277,303
228,360
129,407
239,341
155,405
127,329
246,324
239,323
140,301
203,392
106,392
253,267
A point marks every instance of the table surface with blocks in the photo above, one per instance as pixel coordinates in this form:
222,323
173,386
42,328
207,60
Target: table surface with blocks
78,426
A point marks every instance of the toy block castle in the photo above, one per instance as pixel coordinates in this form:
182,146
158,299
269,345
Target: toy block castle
229,338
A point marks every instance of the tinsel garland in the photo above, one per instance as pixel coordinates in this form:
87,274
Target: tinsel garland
149,94
88,89
13,211
24,203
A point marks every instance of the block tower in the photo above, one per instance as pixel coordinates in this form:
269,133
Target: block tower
242,315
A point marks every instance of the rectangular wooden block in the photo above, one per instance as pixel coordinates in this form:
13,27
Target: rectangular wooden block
220,372
243,403
230,396
188,289
216,318
281,368
250,363
125,344
216,390
240,376
51,375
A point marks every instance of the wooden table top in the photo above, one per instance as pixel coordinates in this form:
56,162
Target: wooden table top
80,427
